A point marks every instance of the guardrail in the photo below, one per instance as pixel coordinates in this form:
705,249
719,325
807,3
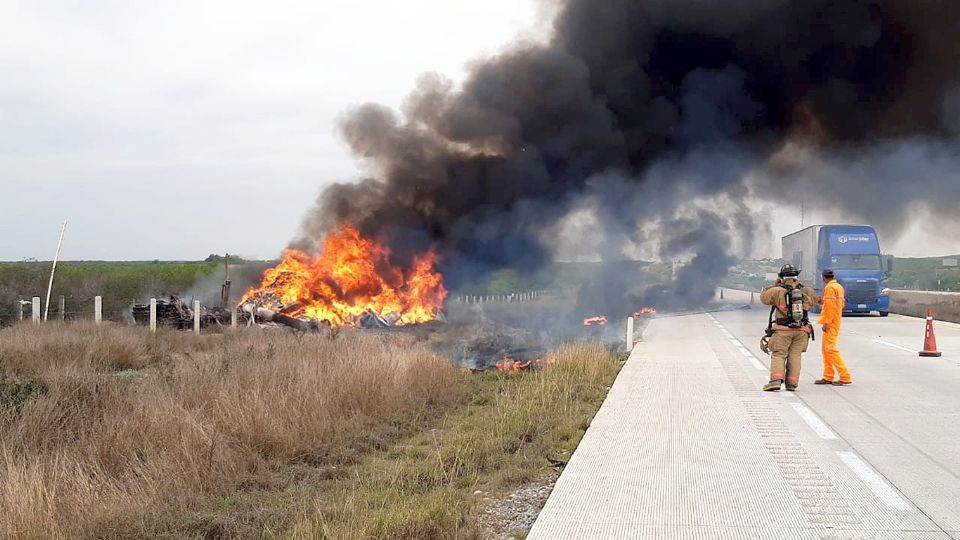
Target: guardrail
501,298
945,305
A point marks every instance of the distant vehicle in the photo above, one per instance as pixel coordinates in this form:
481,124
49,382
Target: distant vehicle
853,252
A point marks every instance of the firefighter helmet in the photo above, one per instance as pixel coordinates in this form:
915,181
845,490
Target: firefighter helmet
788,270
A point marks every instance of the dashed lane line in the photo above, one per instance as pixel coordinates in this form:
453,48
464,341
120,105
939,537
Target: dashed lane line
874,482
870,478
894,345
814,421
736,343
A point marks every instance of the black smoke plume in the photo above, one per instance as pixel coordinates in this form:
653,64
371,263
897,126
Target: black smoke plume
653,113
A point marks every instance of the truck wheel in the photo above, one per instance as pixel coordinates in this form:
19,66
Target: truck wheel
884,313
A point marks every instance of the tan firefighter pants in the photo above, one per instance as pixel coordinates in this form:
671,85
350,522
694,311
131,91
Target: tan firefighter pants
786,348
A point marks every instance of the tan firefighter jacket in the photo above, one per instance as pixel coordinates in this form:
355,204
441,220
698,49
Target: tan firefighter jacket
776,295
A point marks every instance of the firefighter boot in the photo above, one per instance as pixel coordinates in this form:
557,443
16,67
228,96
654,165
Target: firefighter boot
773,386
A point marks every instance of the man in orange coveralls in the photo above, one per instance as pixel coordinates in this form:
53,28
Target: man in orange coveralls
831,317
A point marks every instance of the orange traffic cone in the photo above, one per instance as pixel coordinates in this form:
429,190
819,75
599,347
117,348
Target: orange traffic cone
929,339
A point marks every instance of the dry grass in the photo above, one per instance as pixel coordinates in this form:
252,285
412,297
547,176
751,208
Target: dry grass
423,488
111,432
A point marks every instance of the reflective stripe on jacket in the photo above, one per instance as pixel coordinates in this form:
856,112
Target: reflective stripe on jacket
833,303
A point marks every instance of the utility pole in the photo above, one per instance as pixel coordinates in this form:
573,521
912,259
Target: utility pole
46,306
225,288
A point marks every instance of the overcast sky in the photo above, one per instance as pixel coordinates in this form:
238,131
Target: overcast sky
158,129
175,129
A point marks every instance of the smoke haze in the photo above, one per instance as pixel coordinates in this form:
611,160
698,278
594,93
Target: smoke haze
661,120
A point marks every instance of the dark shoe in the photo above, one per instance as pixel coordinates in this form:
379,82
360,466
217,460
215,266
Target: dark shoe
773,386
841,383
823,381
791,388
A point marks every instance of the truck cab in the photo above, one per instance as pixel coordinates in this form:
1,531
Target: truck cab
853,252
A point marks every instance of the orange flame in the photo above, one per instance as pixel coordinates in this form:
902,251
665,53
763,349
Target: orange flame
352,275
645,310
590,321
512,365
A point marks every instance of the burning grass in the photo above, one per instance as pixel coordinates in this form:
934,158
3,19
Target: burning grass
112,432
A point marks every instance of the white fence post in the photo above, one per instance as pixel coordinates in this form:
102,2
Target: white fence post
153,314
63,305
233,319
97,309
196,316
629,334
20,310
35,313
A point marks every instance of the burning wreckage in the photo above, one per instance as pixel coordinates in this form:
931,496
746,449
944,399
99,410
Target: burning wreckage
177,314
265,308
350,283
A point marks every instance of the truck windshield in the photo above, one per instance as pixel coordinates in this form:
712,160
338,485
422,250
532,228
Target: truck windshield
856,262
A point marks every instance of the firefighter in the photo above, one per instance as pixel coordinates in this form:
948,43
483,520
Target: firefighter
830,318
788,327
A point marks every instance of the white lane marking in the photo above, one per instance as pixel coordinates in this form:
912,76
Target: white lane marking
813,421
745,352
894,345
874,482
756,363
748,355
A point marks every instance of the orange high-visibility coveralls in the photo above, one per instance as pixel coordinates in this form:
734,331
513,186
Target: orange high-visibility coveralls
832,316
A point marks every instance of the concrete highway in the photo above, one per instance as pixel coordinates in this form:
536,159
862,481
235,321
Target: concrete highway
687,446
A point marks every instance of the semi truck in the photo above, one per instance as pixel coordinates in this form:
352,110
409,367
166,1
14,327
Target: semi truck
853,253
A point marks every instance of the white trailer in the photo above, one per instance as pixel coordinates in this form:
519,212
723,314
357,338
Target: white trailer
800,250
